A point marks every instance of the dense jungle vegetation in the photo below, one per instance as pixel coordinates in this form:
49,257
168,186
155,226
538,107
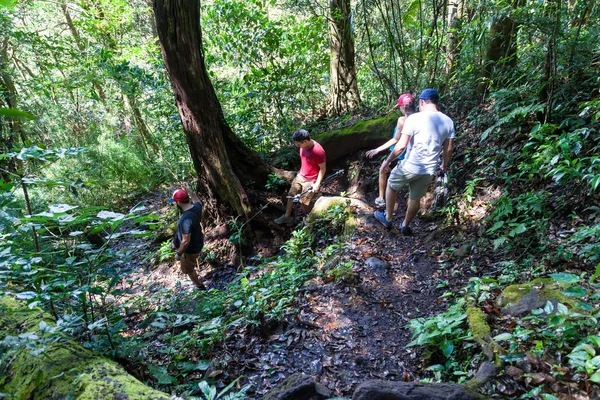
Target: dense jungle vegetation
106,108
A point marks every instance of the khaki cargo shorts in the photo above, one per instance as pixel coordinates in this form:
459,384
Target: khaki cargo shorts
300,185
188,262
417,183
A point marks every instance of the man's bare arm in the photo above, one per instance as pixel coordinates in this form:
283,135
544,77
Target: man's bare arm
320,177
398,149
447,154
193,195
185,242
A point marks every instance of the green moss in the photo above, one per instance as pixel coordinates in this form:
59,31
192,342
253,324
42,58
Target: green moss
65,369
375,125
478,324
350,226
481,332
547,287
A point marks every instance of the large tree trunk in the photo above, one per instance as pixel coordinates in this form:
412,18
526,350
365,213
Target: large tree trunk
218,155
501,53
455,17
10,128
344,88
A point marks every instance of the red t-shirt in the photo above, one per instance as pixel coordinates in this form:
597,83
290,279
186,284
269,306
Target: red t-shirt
311,158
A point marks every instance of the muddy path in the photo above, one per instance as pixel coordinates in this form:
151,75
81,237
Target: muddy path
341,333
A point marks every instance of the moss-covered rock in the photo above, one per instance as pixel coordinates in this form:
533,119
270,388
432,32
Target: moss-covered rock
364,134
325,203
65,369
524,297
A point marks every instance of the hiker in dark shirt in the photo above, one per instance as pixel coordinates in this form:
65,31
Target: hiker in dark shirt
189,239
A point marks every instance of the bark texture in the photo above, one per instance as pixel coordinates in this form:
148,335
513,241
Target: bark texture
344,88
501,53
219,157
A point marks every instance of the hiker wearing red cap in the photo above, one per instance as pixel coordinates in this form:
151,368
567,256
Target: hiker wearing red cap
406,104
431,133
189,239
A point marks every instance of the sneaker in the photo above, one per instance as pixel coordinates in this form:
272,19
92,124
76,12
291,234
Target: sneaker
405,230
283,220
379,202
380,216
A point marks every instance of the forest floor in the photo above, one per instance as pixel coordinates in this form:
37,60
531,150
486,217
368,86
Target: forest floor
341,332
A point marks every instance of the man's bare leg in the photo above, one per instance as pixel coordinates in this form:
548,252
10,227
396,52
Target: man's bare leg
194,278
288,209
390,202
411,210
383,177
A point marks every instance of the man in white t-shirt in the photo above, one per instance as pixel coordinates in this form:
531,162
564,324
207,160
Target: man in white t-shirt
431,133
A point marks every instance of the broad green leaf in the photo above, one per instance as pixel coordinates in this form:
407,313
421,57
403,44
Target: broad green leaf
13,112
499,242
161,375
564,277
496,226
584,306
447,348
575,291
596,377
518,230
503,336
546,396
596,274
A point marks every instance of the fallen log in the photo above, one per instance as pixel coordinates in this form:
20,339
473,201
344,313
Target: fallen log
64,369
363,135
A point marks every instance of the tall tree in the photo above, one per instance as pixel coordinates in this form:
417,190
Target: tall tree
501,52
344,87
218,155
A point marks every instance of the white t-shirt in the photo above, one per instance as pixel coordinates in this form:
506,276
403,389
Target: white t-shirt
428,130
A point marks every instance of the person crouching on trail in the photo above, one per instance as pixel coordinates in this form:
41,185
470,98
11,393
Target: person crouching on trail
406,104
432,132
312,172
189,239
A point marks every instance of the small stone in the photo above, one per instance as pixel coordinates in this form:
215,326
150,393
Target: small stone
514,372
376,263
316,368
463,251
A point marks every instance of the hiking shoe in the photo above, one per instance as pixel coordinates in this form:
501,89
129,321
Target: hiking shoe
283,220
379,202
380,216
405,230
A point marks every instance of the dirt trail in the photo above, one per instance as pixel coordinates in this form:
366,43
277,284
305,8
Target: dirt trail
341,334
344,334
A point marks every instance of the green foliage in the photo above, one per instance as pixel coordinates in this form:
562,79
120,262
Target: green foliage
268,67
210,392
519,222
274,182
446,341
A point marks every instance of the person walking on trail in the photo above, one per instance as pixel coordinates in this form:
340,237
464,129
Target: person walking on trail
432,133
311,174
189,239
406,104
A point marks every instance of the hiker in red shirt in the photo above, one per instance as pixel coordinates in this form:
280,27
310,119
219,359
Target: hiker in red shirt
312,172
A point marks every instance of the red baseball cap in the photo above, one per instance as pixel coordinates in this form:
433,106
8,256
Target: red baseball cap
405,99
179,195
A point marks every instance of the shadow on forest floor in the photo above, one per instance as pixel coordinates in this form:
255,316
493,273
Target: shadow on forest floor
340,333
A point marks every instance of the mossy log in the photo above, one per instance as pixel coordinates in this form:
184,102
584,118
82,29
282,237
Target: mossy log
366,134
65,370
